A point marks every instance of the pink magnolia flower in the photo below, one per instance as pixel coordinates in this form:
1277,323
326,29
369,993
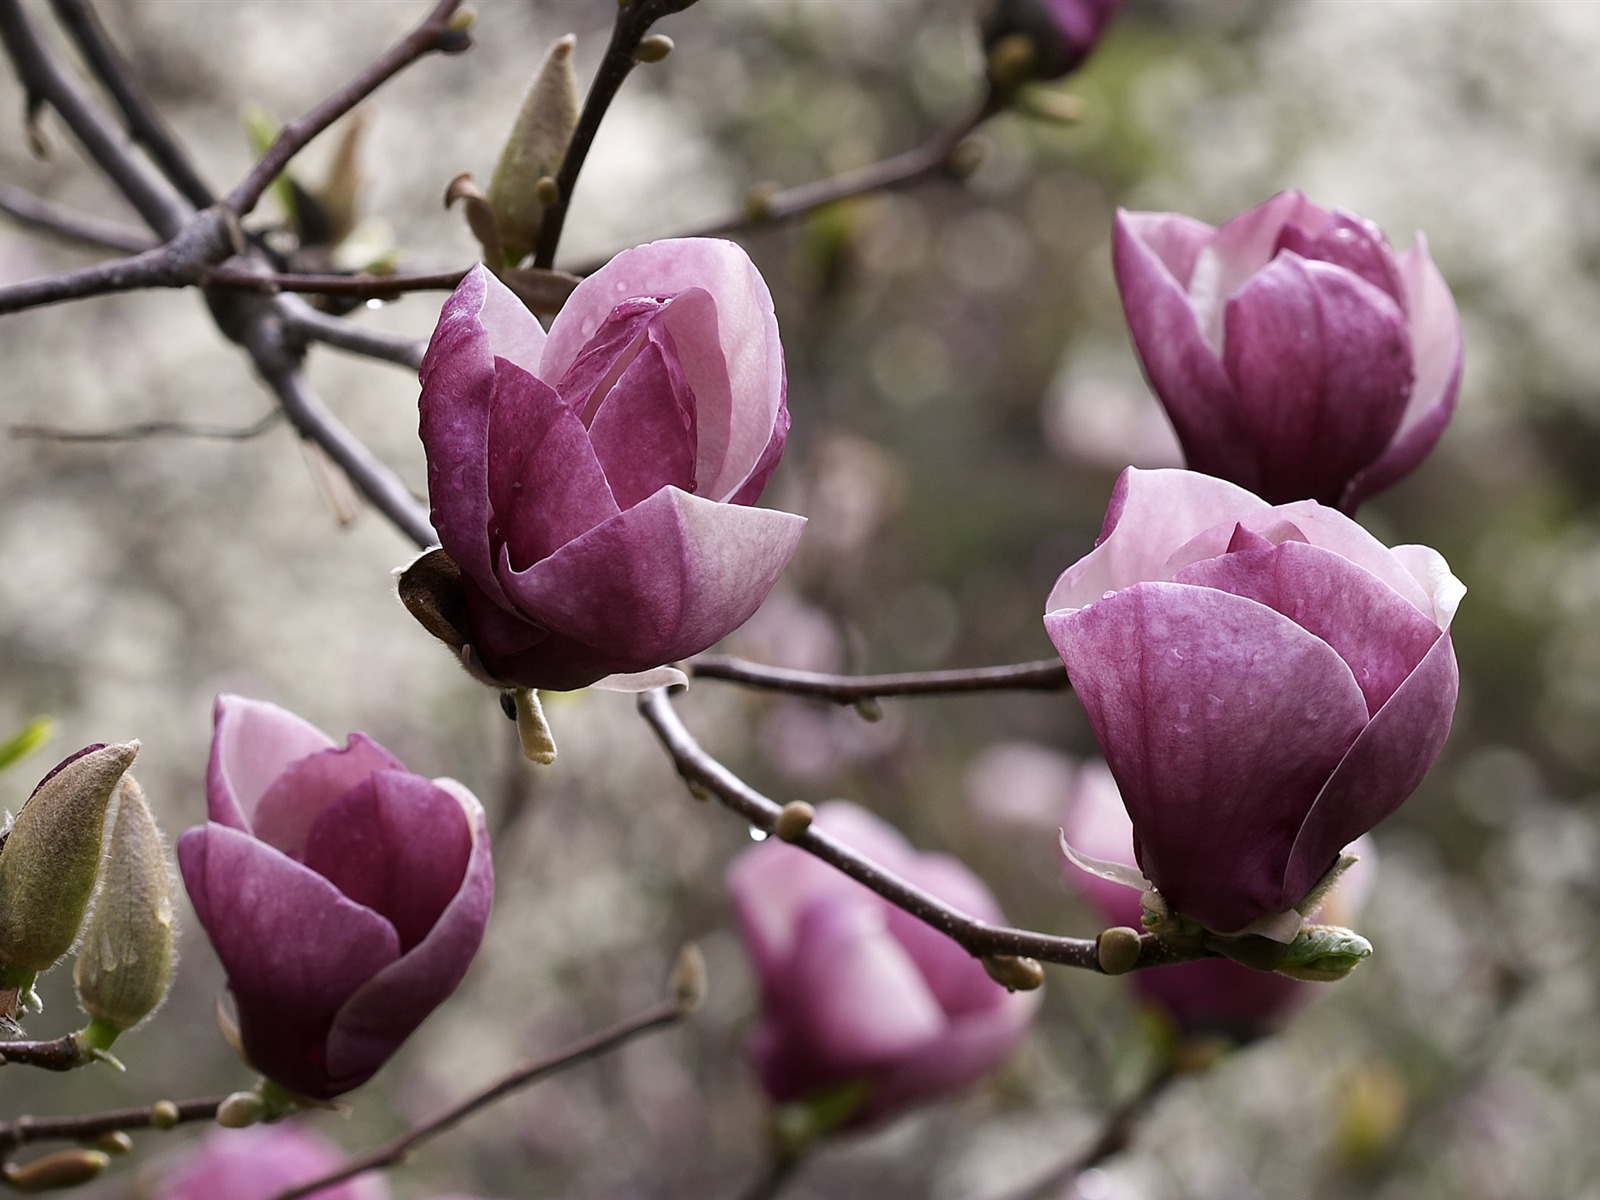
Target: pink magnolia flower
855,991
344,895
1296,354
1212,995
261,1161
1063,32
593,486
1267,684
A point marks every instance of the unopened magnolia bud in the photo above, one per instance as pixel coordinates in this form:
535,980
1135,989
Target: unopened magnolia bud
240,1109
689,979
124,966
1117,949
794,819
653,48
869,708
53,1172
534,149
1324,953
164,1114
533,730
1013,972
115,1142
547,191
52,857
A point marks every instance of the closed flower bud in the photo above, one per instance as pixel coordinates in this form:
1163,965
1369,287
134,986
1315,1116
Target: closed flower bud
249,1164
537,144
56,1172
52,857
1041,39
124,966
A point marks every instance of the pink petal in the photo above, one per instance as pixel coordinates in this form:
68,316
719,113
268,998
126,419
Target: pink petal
252,744
1221,720
660,581
1151,514
1241,247
294,949
1332,530
607,354
394,1001
1380,770
307,786
957,979
1321,364
750,491
1351,242
1183,367
644,431
968,1049
1174,239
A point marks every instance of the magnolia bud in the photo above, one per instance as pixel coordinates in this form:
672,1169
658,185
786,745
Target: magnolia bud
1324,953
241,1109
54,1172
125,964
793,820
535,148
52,857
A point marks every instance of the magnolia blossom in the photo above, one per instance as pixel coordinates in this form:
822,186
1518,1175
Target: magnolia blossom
261,1161
344,895
592,487
1062,33
1210,995
1267,684
858,993
1296,354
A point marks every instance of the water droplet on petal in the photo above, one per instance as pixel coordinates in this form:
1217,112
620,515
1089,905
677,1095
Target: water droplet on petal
757,835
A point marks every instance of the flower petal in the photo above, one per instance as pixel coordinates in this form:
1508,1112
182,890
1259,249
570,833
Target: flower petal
394,1001
293,947
1351,242
966,1051
1240,247
1321,363
957,979
307,786
253,743
1220,719
644,430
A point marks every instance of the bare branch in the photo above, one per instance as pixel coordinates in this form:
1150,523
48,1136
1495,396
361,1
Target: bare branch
979,938
149,429
71,225
667,1013
152,269
369,287
318,326
144,123
1045,675
46,80
22,1131
433,34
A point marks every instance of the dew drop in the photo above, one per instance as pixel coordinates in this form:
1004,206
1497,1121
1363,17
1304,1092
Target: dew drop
1109,594
1175,657
757,835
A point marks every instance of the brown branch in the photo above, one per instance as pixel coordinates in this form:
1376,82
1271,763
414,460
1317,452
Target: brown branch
434,34
669,1012
22,1131
142,430
1045,675
64,1053
369,287
69,224
634,18
979,938
343,334
140,116
46,81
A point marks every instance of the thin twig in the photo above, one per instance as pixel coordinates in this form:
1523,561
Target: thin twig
144,123
47,81
22,1131
1044,675
81,228
667,1013
149,429
979,938
634,18
343,334
368,287
434,33
151,269
58,1054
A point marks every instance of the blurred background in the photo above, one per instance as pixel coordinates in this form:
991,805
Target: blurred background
963,395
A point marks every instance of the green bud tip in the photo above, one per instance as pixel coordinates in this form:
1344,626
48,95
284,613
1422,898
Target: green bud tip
868,708
538,746
1117,949
653,48
55,1172
1013,972
689,979
164,1114
793,820
240,1109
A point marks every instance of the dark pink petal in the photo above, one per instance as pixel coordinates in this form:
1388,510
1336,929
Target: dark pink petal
393,1002
309,785
480,321
607,354
750,490
1152,515
865,1002
967,1051
1436,354
397,844
1383,767
644,430
545,485
1174,239
662,580
294,949
252,744
258,1162
1351,242
1332,530
1221,720
1240,247
957,980
1183,367
1380,636
1321,363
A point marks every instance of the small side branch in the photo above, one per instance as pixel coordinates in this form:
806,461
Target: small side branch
68,224
362,286
1044,675
144,430
25,1130
317,326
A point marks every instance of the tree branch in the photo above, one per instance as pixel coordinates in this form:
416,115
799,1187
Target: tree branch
149,429
979,938
69,224
668,1012
343,334
434,33
144,123
368,287
46,81
24,1130
1045,675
